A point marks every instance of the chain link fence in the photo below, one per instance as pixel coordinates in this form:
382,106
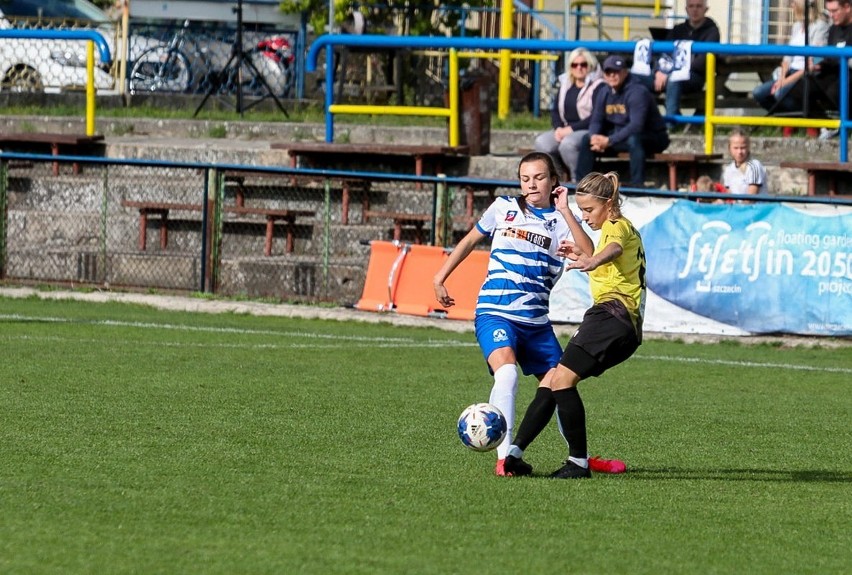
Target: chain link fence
286,234
160,57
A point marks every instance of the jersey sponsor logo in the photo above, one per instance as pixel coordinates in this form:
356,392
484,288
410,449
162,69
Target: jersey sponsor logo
536,239
499,335
510,216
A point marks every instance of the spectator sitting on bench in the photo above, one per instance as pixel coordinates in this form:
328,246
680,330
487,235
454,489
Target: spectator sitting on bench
697,28
572,110
744,175
774,94
824,93
624,118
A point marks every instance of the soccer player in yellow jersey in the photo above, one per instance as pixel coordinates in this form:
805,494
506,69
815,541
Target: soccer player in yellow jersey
610,332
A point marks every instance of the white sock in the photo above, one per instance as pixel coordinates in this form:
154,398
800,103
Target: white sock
516,451
503,396
584,463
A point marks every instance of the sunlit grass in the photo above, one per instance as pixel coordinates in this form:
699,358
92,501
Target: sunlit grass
134,440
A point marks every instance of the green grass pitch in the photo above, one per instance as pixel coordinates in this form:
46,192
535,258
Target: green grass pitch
134,440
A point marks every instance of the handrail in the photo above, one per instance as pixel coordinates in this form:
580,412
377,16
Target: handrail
843,124
451,111
460,181
93,35
93,38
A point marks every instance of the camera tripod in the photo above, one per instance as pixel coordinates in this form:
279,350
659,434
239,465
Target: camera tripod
237,64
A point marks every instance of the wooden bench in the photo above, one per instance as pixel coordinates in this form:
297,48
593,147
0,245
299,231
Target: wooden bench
415,221
34,142
331,154
674,162
162,210
348,187
832,171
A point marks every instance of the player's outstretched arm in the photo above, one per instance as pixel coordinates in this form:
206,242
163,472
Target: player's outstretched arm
581,238
586,263
457,256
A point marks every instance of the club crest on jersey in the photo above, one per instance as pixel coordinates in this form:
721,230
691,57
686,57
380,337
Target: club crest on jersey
550,225
510,216
499,335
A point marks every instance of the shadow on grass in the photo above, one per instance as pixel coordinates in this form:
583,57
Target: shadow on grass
775,475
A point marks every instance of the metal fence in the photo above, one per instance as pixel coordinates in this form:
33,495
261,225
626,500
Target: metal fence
288,234
233,230
163,57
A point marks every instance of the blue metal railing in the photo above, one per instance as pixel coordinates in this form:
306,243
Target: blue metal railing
431,42
93,35
92,38
461,182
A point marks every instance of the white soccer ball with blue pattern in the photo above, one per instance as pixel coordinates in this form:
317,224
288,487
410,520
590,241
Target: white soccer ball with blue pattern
482,427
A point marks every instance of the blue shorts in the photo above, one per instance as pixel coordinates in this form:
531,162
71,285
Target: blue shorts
536,347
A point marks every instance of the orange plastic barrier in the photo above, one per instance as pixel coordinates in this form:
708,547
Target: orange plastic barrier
465,282
382,276
414,293
399,278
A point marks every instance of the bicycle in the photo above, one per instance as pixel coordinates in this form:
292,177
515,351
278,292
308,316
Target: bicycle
170,69
165,68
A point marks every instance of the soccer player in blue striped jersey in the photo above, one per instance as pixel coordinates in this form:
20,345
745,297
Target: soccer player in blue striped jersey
610,332
512,323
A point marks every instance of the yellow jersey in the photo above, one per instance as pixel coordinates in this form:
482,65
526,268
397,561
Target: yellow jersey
622,279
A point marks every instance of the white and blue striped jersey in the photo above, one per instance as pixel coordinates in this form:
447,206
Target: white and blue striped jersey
523,266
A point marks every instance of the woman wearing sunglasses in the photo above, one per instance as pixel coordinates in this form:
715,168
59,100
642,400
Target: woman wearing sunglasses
572,110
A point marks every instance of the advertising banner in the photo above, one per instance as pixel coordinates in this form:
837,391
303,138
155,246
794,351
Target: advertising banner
736,269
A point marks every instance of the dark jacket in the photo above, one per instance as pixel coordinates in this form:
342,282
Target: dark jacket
630,110
837,36
707,32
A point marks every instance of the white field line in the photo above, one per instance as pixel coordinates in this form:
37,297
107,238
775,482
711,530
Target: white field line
377,344
206,329
704,360
372,342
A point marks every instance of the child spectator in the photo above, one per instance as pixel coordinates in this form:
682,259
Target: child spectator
744,175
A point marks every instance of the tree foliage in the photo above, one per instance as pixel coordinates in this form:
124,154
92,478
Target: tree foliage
388,16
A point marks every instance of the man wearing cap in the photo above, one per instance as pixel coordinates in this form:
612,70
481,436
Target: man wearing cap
625,118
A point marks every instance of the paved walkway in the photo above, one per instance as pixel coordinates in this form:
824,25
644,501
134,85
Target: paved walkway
198,305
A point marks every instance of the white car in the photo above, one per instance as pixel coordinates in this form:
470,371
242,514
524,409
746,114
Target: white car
56,65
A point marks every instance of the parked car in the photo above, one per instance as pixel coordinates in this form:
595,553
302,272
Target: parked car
56,65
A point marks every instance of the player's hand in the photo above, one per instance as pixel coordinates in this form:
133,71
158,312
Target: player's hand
580,262
560,194
568,249
443,297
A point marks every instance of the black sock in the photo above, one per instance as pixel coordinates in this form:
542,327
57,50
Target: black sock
572,415
536,418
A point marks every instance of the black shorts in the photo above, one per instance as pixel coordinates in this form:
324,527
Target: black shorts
602,341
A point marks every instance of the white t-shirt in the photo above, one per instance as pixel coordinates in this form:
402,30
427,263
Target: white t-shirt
818,37
738,178
523,266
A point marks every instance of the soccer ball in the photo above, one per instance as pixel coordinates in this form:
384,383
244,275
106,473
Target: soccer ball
482,427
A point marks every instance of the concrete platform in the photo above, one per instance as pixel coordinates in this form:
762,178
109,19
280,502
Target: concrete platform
250,143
